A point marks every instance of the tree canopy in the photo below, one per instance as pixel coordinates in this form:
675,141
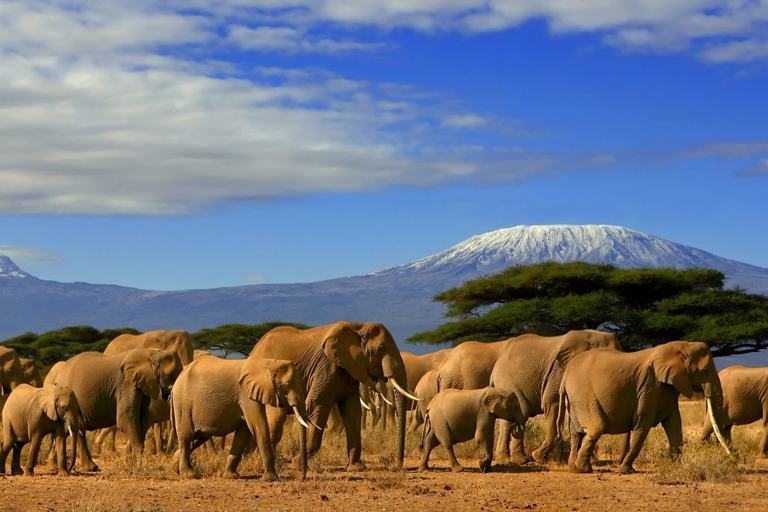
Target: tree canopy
61,344
235,338
642,306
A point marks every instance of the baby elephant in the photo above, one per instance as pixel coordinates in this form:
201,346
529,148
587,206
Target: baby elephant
457,415
32,413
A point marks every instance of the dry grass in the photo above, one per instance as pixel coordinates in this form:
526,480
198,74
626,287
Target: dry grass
699,463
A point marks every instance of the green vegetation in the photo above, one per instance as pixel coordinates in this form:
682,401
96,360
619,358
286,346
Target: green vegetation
235,338
642,306
61,344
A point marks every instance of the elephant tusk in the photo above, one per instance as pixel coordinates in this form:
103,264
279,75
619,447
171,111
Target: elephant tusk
70,432
385,398
318,427
715,426
365,405
404,392
299,418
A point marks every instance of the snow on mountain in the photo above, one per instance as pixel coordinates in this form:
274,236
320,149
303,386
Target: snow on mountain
9,270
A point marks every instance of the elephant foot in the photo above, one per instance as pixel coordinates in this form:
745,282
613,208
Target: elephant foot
230,475
356,467
484,466
187,473
584,467
540,455
458,468
423,468
16,471
29,472
62,472
626,469
269,476
90,467
502,459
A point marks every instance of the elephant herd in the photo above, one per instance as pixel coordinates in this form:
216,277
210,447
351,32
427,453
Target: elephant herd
582,382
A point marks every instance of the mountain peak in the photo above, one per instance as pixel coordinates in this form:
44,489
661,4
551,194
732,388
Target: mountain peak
9,270
493,251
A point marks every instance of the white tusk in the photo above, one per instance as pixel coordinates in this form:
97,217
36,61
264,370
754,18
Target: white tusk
404,392
318,427
365,405
299,418
384,398
715,427
70,432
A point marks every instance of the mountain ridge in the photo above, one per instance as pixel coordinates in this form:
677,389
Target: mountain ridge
398,296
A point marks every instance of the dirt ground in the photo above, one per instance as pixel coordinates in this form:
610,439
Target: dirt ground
507,488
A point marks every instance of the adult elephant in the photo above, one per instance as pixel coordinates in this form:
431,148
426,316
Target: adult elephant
531,367
333,360
745,400
177,341
11,372
214,397
31,372
612,392
426,390
116,390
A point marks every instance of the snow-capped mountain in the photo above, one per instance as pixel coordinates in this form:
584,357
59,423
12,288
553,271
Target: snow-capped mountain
9,270
399,297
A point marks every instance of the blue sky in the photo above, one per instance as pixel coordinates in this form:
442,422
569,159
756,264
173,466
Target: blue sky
170,145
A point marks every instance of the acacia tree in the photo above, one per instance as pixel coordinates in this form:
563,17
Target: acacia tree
235,338
642,306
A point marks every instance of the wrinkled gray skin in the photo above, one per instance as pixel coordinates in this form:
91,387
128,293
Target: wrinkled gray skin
426,389
32,413
117,389
214,397
31,373
531,366
745,400
333,360
611,392
455,416
11,372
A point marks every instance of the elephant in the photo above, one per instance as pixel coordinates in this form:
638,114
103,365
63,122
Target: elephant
117,389
11,372
609,392
32,413
31,373
532,367
200,353
333,360
458,415
178,341
426,389
745,400
214,397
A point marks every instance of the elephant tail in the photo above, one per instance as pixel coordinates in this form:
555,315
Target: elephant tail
562,410
425,431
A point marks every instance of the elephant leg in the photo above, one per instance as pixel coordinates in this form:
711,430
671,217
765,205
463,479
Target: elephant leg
256,421
157,429
550,434
727,433
673,427
485,440
502,455
184,453
583,462
34,450
87,463
319,416
576,440
416,420
16,458
430,442
635,444
52,451
624,446
8,441
351,410
241,441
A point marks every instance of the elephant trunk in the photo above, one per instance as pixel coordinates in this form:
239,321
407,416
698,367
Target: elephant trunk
303,442
394,370
74,430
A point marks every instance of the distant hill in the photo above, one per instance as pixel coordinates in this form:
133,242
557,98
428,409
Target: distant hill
400,296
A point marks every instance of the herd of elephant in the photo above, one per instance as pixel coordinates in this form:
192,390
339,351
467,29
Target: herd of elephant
582,380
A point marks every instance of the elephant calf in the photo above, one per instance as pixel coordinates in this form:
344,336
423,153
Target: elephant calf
32,413
455,416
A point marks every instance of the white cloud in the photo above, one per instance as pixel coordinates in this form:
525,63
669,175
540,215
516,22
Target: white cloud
255,278
463,121
735,51
16,252
292,40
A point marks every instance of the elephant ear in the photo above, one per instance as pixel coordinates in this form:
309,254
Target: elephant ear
257,378
494,402
573,343
46,398
671,367
139,370
344,348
